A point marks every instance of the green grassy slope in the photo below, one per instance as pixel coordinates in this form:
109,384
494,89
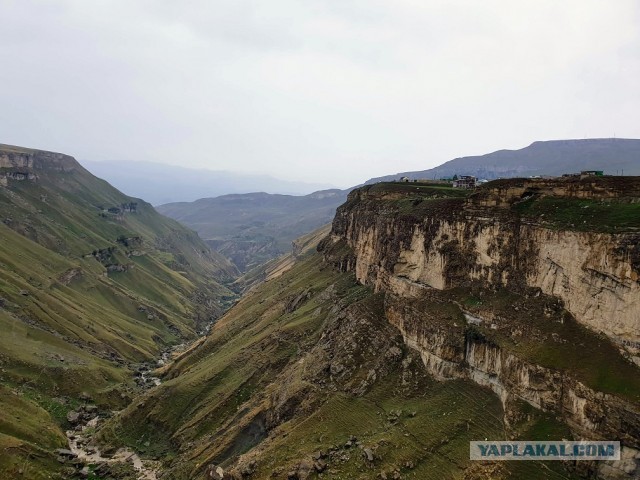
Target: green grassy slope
303,363
588,215
254,228
276,267
85,292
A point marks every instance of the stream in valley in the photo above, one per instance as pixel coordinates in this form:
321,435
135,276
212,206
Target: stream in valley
80,444
82,449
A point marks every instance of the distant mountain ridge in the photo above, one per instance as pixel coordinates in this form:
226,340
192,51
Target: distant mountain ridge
253,228
554,157
158,183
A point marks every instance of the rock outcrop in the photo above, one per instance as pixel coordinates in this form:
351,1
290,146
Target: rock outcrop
20,164
408,243
27,159
454,242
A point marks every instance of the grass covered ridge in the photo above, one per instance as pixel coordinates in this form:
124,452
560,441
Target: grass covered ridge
88,289
298,367
607,215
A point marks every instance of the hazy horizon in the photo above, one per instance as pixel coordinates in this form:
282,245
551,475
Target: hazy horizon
322,92
159,183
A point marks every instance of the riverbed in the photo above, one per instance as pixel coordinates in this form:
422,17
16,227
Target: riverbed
80,438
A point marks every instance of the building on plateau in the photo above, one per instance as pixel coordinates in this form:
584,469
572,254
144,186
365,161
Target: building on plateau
465,181
591,173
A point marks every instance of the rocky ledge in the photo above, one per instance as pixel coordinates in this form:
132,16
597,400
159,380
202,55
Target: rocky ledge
428,251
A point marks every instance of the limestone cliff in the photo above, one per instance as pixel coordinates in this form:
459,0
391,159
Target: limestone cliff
544,241
31,159
19,164
450,242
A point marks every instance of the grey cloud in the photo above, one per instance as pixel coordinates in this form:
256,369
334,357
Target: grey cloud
330,91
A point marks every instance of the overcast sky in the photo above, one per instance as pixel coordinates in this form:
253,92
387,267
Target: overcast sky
331,91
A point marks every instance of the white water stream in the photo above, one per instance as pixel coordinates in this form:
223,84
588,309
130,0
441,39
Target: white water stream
80,439
78,442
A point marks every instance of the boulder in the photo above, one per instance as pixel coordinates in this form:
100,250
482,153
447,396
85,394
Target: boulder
63,452
247,469
368,453
305,468
84,396
318,455
214,472
73,417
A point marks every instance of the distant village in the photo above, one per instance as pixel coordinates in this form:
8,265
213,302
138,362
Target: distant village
469,181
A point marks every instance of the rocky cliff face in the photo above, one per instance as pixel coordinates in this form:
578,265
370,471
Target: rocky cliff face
453,242
450,352
24,158
415,245
19,164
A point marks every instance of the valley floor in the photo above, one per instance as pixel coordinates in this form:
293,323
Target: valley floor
306,378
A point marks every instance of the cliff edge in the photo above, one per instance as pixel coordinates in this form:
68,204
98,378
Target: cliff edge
528,287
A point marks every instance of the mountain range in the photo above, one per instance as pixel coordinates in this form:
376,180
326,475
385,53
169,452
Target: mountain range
615,156
254,228
158,183
427,316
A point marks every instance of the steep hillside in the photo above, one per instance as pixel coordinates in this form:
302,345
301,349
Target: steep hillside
278,266
613,155
431,318
254,228
575,239
305,376
92,284
545,277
